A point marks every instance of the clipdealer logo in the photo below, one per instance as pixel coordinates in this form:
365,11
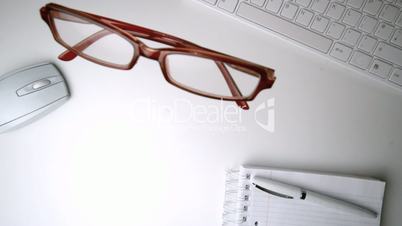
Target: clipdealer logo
213,117
267,110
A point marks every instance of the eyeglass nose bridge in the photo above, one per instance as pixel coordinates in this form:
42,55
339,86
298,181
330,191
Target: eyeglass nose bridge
149,52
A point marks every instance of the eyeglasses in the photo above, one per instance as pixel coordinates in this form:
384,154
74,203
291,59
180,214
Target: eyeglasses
190,67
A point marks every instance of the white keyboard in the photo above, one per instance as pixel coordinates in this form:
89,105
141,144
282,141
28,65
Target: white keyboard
365,35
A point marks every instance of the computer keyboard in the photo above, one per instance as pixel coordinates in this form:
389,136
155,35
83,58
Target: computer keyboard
365,35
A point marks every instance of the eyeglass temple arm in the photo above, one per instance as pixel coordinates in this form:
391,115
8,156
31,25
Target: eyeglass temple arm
234,89
83,44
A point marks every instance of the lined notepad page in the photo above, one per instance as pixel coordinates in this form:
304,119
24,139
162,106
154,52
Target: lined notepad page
267,210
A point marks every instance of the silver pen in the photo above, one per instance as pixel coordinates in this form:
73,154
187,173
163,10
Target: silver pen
293,192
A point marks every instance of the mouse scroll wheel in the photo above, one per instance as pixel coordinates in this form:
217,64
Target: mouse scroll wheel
38,85
41,83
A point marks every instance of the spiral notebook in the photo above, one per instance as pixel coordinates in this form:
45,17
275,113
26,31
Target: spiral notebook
247,206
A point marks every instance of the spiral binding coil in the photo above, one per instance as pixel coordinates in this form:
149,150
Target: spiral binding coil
236,198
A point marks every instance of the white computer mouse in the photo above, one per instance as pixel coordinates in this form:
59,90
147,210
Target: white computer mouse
30,93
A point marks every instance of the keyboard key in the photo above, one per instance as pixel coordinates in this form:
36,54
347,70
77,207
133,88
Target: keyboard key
368,24
360,60
352,17
274,5
389,53
304,3
380,68
258,2
367,44
341,52
289,10
355,3
351,36
335,30
320,5
304,17
284,27
389,13
397,38
319,23
372,6
335,11
228,5
384,31
399,20
396,77
213,2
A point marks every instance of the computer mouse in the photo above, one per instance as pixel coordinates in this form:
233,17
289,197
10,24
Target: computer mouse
30,93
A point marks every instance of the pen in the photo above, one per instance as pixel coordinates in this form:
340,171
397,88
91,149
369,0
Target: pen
293,192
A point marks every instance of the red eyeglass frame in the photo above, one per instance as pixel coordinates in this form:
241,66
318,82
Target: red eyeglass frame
130,32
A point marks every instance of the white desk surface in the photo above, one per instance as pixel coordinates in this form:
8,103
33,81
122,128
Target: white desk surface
101,160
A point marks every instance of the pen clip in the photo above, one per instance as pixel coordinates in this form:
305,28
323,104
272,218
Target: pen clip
272,192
